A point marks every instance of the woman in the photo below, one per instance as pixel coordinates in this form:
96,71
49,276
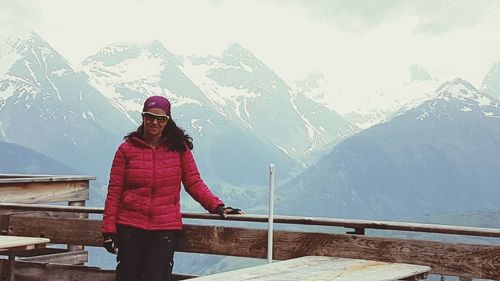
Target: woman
142,218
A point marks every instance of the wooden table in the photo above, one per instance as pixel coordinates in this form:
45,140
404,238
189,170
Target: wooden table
19,243
320,268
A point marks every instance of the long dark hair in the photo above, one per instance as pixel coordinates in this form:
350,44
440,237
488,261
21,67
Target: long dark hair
173,136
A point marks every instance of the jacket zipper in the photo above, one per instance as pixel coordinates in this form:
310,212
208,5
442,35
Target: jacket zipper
153,187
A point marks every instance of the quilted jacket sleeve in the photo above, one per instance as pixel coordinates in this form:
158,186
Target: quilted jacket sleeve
194,185
115,189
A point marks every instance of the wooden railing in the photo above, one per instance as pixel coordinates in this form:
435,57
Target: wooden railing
466,260
211,237
359,226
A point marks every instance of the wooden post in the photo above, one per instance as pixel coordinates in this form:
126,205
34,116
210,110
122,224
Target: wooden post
72,248
12,268
75,248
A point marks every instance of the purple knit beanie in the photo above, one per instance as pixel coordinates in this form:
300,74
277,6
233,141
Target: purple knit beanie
157,102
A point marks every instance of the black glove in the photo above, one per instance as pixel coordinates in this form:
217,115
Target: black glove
223,211
233,211
110,243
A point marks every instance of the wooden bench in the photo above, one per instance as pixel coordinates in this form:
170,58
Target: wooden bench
320,268
19,243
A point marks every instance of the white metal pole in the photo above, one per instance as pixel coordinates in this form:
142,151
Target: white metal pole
271,215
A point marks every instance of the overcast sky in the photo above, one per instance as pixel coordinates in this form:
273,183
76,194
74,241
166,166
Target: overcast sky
356,44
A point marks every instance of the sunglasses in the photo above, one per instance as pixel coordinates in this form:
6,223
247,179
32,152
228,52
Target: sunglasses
150,117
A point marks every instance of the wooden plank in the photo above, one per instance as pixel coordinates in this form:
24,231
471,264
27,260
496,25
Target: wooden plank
43,192
36,252
32,271
25,178
21,242
358,225
469,260
73,257
59,230
317,268
47,208
49,214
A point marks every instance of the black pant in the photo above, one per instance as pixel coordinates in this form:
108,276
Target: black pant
145,255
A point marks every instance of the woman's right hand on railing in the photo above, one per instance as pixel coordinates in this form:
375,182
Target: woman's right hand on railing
223,211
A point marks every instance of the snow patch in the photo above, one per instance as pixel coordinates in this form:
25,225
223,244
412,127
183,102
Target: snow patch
60,72
466,109
91,114
423,115
2,132
195,125
312,132
141,68
484,100
227,101
5,94
88,114
290,155
490,114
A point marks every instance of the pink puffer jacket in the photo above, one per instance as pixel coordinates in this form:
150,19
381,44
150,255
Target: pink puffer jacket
144,187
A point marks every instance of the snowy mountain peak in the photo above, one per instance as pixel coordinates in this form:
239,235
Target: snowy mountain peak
237,56
159,50
27,43
114,54
463,94
456,99
117,53
418,73
130,63
236,50
458,89
491,82
8,42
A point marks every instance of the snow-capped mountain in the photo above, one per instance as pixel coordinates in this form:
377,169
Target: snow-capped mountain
383,103
468,98
233,90
47,106
127,74
439,156
246,91
491,82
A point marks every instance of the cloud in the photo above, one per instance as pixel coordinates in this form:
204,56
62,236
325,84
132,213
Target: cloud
18,15
436,17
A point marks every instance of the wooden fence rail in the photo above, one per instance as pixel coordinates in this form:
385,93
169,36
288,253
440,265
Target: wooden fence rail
316,221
